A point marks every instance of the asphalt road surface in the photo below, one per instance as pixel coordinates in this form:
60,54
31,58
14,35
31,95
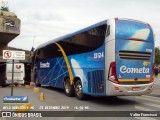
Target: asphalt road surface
56,100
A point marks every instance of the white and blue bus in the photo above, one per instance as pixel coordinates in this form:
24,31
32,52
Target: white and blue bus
110,58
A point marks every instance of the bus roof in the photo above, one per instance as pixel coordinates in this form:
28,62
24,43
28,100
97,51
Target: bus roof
71,34
82,30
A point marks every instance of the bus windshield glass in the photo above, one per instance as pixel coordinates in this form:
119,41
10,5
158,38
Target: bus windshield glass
133,30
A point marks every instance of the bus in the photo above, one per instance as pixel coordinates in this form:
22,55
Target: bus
114,57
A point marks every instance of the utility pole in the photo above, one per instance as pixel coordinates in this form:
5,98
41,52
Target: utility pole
33,40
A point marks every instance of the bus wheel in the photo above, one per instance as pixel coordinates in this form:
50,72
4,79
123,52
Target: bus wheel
68,89
79,91
36,82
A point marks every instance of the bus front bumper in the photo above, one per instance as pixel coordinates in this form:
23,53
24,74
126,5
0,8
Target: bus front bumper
114,89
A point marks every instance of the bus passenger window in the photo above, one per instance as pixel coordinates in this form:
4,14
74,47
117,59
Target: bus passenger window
84,42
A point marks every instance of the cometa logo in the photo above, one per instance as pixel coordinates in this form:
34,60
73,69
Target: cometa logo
11,99
124,69
15,99
44,65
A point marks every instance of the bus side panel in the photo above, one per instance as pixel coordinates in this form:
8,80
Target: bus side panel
52,72
89,67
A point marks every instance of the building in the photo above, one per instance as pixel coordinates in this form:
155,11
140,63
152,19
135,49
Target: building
9,29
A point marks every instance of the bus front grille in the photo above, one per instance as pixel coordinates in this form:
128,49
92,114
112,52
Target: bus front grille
134,55
96,81
134,83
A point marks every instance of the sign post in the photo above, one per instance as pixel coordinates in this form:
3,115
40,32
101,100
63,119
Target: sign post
12,77
13,55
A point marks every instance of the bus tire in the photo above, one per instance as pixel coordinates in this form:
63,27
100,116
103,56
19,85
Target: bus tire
79,91
36,82
68,88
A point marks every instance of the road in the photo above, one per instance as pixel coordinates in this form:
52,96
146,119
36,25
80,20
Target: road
56,97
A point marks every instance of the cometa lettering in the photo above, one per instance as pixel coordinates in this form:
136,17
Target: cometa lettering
12,99
44,65
124,69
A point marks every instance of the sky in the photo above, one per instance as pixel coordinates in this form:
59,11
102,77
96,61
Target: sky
44,20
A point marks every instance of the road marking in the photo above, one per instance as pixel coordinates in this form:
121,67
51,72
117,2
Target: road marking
143,108
148,99
153,97
151,104
145,118
2,118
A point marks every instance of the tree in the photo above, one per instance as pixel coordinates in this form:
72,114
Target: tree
157,56
4,7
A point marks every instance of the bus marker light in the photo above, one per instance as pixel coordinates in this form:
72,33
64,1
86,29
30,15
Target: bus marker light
116,18
116,88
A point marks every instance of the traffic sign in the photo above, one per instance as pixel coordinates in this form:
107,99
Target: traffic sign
13,55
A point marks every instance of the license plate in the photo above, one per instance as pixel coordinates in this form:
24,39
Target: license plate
136,89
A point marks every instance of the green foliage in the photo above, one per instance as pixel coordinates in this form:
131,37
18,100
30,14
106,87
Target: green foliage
157,56
1,14
4,7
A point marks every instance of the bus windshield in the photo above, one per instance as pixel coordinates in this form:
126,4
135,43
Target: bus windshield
133,30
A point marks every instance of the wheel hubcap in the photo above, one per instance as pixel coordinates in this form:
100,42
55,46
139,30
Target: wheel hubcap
67,88
79,90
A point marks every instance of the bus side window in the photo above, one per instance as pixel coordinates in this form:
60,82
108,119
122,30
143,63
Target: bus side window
49,52
81,43
84,42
